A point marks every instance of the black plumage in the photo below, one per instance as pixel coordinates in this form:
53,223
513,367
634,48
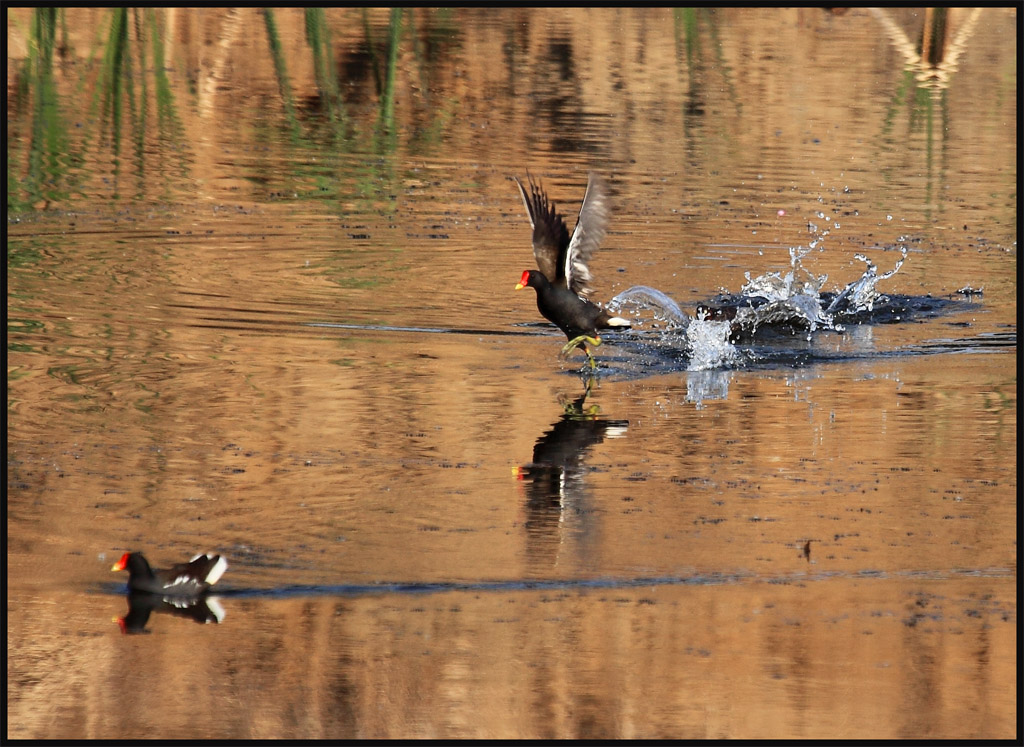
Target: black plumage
563,278
184,580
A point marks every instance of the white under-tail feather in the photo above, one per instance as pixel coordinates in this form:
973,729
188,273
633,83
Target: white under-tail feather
217,571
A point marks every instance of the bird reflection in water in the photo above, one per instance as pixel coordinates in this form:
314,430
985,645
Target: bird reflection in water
203,609
554,480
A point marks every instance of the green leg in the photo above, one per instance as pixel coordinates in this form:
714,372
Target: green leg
581,342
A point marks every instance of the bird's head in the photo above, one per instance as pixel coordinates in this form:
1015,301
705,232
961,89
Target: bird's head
529,278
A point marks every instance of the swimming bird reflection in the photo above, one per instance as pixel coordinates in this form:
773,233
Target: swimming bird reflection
141,604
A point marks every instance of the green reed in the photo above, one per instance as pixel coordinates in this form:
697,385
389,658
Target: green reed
48,141
318,36
166,111
281,70
387,99
58,148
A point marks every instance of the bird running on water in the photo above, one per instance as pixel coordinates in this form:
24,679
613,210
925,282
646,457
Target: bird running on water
562,281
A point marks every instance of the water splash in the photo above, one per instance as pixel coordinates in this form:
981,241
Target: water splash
794,300
650,307
791,298
703,343
861,294
708,346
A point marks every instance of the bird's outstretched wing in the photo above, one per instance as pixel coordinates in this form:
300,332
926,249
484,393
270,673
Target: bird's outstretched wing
550,235
587,236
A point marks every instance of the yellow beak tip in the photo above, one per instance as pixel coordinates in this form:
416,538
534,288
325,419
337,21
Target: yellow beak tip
519,286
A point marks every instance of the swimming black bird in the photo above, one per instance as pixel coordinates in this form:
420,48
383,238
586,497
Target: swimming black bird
562,280
190,579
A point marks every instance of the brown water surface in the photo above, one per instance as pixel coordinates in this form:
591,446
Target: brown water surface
282,326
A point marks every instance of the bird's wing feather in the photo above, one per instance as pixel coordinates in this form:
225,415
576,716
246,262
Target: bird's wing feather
550,235
587,236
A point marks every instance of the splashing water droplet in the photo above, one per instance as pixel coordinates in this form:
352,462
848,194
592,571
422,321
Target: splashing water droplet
641,298
708,346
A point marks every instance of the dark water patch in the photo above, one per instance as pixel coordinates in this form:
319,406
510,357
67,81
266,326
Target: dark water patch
892,308
639,353
291,591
